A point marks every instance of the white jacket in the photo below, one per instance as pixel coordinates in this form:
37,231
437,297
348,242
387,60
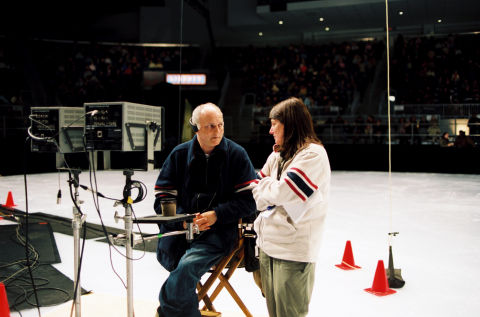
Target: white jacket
293,208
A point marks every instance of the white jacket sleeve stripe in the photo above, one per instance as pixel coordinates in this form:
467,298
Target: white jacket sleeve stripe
305,177
300,184
295,190
260,173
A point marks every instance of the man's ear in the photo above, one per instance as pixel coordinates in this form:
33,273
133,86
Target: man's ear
194,126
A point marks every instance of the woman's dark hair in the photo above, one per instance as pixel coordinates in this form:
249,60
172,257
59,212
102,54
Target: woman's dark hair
298,126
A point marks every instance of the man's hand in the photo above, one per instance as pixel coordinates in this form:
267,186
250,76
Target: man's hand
205,220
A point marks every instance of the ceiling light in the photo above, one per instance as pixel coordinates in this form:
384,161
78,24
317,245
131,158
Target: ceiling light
280,22
327,28
260,33
439,20
400,12
320,19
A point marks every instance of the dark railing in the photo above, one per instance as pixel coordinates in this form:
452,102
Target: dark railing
442,110
350,132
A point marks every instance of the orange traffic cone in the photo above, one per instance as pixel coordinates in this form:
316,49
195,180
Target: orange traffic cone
4,309
348,263
9,203
380,282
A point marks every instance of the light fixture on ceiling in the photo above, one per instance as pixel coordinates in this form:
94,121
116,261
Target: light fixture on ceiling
439,21
400,12
327,28
260,33
321,19
280,22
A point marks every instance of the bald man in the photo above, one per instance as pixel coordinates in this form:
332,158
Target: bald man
210,176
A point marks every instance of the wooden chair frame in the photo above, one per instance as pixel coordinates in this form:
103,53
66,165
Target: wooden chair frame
232,260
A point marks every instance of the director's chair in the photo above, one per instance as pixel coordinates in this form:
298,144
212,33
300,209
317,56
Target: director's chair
230,262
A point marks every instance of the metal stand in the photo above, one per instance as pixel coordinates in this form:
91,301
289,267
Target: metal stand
77,222
127,201
129,241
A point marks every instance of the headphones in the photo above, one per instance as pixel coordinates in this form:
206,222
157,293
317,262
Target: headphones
194,126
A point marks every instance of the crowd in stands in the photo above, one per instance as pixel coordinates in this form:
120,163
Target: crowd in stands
424,70
322,75
70,74
436,70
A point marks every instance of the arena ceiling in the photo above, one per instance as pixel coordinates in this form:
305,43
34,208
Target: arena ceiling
245,19
363,18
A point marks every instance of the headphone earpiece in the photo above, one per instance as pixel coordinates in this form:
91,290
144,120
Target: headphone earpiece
194,126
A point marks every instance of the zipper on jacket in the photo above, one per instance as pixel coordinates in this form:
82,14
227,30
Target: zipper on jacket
206,172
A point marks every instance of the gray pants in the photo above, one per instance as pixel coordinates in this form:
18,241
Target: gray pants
287,285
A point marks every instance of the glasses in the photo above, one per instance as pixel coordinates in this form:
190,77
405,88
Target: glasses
213,126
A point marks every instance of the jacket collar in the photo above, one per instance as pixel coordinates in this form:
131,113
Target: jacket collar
221,147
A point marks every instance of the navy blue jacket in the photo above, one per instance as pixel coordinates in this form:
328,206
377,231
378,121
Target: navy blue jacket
221,183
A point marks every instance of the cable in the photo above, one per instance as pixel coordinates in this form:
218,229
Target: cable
142,191
34,265
95,200
29,131
95,192
141,234
57,146
27,293
74,199
15,301
92,113
26,225
141,187
49,288
180,126
27,245
389,129
53,140
112,265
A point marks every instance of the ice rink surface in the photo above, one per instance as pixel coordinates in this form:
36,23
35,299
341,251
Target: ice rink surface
437,216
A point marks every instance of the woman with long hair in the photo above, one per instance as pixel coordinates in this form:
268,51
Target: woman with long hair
292,197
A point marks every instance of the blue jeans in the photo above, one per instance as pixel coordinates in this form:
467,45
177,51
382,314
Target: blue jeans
178,297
